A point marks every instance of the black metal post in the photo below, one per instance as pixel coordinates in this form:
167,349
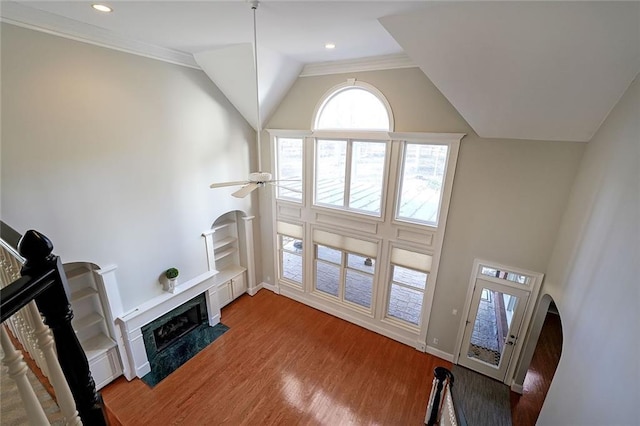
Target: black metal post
54,306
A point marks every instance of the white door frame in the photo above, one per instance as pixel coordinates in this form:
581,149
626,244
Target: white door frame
533,286
499,371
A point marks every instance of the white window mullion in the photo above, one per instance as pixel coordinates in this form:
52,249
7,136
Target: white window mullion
316,179
347,174
343,276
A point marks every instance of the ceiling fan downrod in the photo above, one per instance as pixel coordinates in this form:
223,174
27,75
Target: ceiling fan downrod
254,6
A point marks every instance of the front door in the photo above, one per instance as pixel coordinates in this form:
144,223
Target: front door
492,327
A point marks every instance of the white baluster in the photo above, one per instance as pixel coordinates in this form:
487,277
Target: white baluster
22,328
32,319
18,372
56,376
21,324
4,268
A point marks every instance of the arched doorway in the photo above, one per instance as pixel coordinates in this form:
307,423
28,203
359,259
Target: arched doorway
545,350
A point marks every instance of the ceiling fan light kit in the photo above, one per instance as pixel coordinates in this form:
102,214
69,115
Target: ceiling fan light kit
260,177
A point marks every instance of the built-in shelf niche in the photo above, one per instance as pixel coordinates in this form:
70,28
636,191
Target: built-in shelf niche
225,242
230,252
91,324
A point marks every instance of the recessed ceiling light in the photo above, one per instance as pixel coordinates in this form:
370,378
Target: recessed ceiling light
330,46
101,8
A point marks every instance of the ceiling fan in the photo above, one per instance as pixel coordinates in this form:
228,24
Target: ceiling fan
256,179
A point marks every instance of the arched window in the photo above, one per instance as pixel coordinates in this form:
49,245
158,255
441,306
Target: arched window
353,105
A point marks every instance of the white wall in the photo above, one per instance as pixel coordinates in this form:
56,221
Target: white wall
111,155
594,275
508,195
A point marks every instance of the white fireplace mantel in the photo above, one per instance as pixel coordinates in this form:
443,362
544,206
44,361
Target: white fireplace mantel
131,323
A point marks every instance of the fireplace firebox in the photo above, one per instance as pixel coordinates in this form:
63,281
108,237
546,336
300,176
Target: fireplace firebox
171,329
177,327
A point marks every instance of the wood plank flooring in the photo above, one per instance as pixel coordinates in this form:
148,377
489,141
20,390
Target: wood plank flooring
525,408
285,363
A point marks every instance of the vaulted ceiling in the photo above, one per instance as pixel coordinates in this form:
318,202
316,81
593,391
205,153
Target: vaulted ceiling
524,70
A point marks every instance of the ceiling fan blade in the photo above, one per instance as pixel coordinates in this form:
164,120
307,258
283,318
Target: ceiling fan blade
223,184
246,190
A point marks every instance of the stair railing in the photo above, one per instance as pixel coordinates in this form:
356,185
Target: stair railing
39,291
21,324
441,410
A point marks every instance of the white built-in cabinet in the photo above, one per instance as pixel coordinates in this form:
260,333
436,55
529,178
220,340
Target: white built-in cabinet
90,323
227,258
232,284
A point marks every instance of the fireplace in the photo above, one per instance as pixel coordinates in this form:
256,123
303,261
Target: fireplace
176,327
166,336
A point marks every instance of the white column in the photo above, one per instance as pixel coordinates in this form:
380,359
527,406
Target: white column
251,264
138,353
208,241
213,307
56,376
18,372
109,291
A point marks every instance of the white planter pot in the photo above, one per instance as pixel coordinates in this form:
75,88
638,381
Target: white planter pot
170,285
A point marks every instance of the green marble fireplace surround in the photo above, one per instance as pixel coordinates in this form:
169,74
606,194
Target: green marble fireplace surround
177,336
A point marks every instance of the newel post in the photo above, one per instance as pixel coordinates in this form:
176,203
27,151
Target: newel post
54,306
441,374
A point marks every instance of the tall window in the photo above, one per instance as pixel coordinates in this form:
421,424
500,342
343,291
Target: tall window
421,183
289,160
350,174
345,268
290,258
407,285
375,215
347,276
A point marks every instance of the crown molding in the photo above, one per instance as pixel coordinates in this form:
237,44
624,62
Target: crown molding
39,20
376,63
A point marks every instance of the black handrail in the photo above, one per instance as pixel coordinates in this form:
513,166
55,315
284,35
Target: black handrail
441,375
43,280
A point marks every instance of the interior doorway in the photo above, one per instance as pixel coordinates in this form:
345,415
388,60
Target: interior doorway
526,407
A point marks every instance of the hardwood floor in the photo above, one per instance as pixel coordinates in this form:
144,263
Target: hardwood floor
282,362
525,408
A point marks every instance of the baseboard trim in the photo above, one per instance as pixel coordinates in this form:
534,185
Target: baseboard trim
214,320
317,303
517,388
270,287
439,353
253,290
143,370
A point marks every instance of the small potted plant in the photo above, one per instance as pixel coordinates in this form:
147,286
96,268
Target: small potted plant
171,275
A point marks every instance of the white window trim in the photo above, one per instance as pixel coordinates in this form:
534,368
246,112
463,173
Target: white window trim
384,229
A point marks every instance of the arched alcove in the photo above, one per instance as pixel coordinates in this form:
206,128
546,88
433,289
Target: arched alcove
230,252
